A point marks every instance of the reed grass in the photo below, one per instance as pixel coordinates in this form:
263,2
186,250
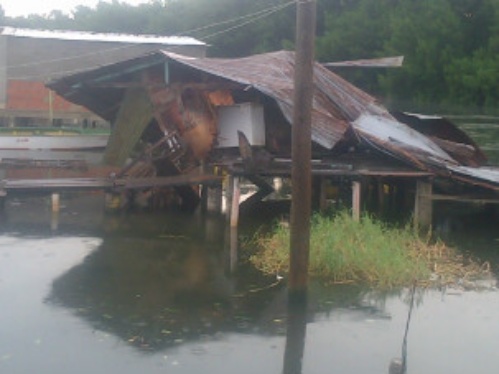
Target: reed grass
367,251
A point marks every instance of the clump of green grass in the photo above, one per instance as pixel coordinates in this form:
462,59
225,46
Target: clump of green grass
367,251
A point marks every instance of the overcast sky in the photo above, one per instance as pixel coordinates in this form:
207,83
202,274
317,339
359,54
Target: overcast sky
14,8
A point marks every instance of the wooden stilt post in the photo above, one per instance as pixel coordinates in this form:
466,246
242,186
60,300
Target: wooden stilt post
381,195
423,208
55,202
323,194
356,199
234,249
3,197
229,185
113,201
236,193
231,249
214,199
54,221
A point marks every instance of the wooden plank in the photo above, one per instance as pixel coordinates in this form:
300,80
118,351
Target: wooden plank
134,115
53,184
465,198
170,181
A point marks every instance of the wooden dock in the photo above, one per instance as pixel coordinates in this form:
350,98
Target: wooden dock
50,185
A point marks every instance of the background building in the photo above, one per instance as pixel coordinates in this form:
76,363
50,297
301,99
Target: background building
31,58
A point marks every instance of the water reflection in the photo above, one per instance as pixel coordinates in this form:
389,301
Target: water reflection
485,132
295,337
152,293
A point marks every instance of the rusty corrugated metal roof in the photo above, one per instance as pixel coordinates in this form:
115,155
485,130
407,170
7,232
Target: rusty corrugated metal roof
336,101
338,106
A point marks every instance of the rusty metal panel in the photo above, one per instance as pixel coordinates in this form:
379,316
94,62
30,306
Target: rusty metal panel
338,107
335,100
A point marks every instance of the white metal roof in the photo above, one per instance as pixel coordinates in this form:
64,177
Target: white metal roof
99,37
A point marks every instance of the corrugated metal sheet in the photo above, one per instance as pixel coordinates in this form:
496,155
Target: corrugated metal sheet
336,102
272,74
447,136
393,135
338,107
483,176
99,37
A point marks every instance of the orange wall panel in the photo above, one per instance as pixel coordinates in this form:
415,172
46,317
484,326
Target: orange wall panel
30,95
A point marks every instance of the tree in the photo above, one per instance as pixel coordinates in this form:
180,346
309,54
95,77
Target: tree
428,34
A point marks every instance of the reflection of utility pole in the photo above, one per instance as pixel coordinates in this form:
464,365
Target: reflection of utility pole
295,338
301,176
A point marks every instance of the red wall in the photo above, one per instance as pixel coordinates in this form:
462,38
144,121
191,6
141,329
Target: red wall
29,95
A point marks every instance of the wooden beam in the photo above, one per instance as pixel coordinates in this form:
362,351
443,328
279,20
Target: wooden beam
134,115
465,198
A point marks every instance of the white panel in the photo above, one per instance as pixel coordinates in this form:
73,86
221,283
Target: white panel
247,118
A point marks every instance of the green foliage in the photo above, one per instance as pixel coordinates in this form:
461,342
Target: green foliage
450,46
474,79
343,250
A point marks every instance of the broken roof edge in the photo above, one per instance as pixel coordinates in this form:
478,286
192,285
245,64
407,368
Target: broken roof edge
100,37
102,72
391,131
385,62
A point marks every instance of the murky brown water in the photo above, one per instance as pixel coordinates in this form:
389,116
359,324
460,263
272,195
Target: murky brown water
151,293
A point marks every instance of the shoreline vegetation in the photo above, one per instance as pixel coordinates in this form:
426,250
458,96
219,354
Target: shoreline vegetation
369,252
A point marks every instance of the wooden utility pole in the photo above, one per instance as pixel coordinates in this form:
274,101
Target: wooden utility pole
301,175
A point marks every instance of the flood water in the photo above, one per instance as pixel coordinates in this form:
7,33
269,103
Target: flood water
90,292
484,131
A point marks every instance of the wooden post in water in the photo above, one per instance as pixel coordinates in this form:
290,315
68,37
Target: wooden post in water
356,200
381,195
233,194
236,194
55,202
301,149
323,194
423,207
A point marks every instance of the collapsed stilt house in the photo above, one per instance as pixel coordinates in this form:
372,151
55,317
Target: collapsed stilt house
188,112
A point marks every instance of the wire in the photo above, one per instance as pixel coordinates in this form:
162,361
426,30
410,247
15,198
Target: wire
255,16
277,7
266,14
